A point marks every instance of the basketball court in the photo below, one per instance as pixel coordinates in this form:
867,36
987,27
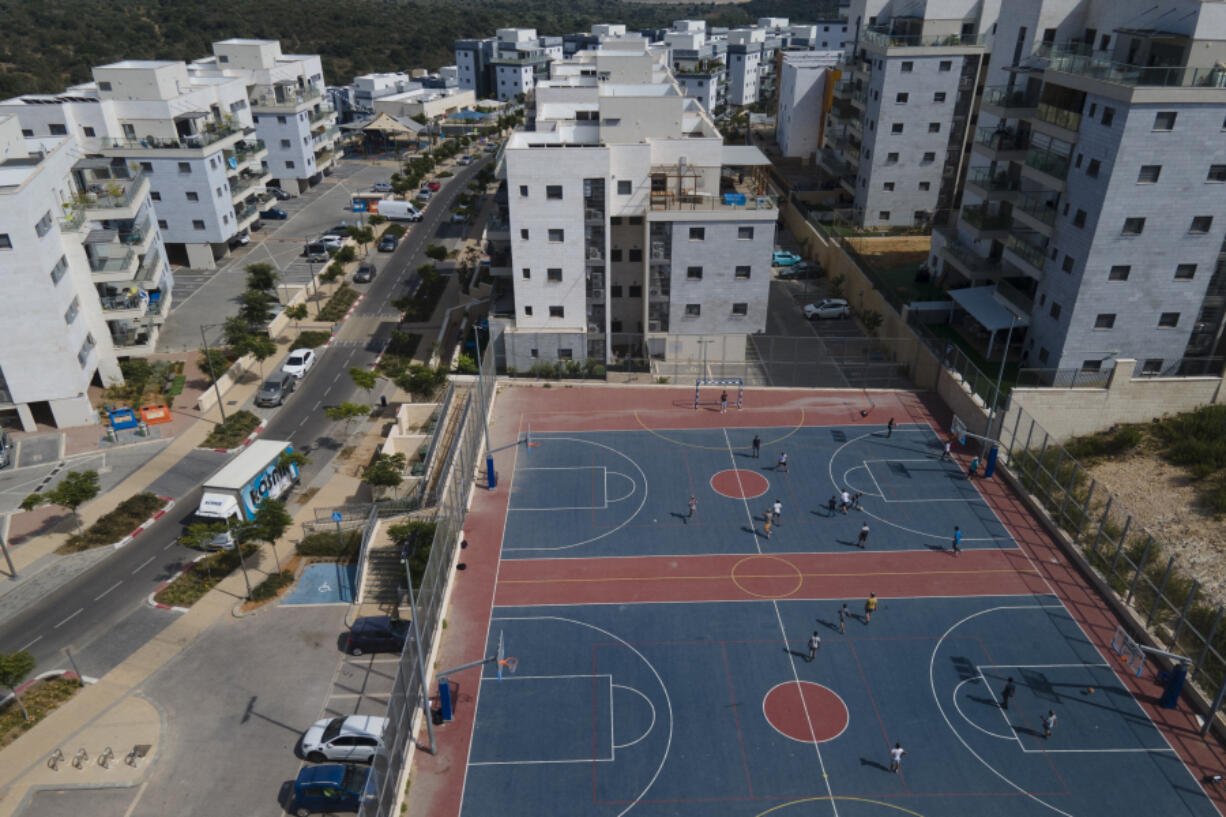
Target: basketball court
661,659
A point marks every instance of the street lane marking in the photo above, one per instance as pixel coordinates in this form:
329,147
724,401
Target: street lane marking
314,407
142,565
70,618
31,644
173,542
300,425
327,391
108,590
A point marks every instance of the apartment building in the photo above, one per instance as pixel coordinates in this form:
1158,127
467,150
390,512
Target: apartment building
1093,208
897,137
506,65
800,119
745,51
85,271
632,229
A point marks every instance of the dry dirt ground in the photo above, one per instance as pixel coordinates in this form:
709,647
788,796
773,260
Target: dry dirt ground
1163,499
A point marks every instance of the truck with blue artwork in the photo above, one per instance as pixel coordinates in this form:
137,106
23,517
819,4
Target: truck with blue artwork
258,473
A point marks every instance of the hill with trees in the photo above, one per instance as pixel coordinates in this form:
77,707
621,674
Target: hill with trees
50,45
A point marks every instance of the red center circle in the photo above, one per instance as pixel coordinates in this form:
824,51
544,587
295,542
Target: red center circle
737,484
805,711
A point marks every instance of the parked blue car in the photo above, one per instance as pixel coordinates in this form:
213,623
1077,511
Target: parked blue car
331,787
783,258
274,213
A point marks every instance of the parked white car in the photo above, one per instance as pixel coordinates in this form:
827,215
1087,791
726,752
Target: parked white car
828,308
355,738
299,362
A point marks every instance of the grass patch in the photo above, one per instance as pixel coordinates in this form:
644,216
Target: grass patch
1106,444
312,339
420,307
902,281
990,368
233,431
201,577
176,388
339,303
327,545
41,698
274,584
115,525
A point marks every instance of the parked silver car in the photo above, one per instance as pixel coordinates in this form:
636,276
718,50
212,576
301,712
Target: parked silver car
355,738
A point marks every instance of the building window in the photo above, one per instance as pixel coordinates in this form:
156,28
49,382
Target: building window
192,195
891,158
88,131
285,143
553,191
1119,273
527,310
1149,174
523,191
741,273
929,157
615,221
1108,116
86,346
197,224
938,96
698,233
155,195
57,272
523,234
1055,310
566,353
1068,263
1217,173
185,167
693,310
883,215
887,186
907,67
1152,365
693,273
925,185
1168,320
557,236
57,129
635,291
163,224
281,120
1164,120
934,127
1105,320
1079,218
636,221
44,224
1134,226
289,165
557,312
553,275
104,86
945,65
615,254
1185,272
902,98
1092,168
896,127
740,310
1201,225
527,273
635,255
624,188
744,233
73,309
1043,355
615,291
1091,366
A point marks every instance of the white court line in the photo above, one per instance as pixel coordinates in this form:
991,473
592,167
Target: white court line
650,726
506,678
540,763
626,496
873,477
1016,735
958,707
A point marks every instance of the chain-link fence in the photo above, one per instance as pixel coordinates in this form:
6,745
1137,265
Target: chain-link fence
1119,548
406,699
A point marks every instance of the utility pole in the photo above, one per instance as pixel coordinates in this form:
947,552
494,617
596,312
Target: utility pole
208,357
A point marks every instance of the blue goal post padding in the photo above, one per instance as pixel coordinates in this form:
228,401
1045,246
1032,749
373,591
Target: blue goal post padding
720,381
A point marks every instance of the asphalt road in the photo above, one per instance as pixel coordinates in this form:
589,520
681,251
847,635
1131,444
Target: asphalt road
92,605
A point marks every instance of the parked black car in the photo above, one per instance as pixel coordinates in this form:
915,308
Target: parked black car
365,274
389,242
377,634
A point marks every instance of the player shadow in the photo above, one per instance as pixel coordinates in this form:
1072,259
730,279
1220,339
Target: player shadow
833,626
847,543
1026,730
685,518
822,513
985,701
803,656
866,762
937,548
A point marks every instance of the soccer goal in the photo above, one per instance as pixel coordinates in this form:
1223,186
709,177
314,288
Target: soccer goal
723,383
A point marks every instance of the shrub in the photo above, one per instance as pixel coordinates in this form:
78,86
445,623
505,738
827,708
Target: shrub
422,534
118,523
1113,443
403,344
271,586
339,303
396,230
327,545
201,577
311,339
214,362
346,254
233,431
437,252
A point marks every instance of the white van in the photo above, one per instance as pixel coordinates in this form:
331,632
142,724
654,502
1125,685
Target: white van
399,210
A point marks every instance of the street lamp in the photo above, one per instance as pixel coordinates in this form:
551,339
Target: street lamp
1000,375
208,357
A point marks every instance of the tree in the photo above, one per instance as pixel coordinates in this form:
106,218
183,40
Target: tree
235,331
214,361
466,364
73,491
387,471
297,313
255,307
437,252
260,347
14,667
346,412
362,236
364,379
375,220
270,523
262,277
294,458
199,534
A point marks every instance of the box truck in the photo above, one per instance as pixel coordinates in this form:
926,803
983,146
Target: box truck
236,491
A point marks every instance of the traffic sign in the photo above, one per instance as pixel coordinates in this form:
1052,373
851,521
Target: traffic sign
336,516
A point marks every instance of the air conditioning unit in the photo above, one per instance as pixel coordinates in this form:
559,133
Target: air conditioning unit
654,326
594,327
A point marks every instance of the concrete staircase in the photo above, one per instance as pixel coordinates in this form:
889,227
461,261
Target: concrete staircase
383,576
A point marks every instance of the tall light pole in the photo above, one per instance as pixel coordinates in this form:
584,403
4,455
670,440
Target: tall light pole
1000,374
208,357
490,478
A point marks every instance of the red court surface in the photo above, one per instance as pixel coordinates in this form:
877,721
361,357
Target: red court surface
1039,567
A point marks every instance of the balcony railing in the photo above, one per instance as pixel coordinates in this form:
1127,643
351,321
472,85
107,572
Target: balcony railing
248,148
328,135
72,220
974,265
289,98
138,233
711,201
984,219
1002,96
1060,117
106,194
1029,249
985,178
1002,139
194,141
112,263
242,184
880,35
1073,60
1052,163
322,112
1042,208
121,303
246,211
1019,299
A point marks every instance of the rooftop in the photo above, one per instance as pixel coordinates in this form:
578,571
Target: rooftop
140,64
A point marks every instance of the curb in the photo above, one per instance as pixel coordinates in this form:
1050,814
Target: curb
379,357
170,503
42,676
353,308
250,439
237,610
163,585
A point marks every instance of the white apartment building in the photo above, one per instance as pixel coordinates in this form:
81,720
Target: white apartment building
426,102
85,270
1094,213
633,229
799,121
897,136
745,51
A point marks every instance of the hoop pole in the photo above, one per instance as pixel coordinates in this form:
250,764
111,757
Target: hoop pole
421,663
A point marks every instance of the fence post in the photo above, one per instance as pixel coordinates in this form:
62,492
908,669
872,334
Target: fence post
1017,421
1183,614
1140,567
1098,537
1120,549
1170,565
1029,433
1039,467
1085,508
1204,652
1068,489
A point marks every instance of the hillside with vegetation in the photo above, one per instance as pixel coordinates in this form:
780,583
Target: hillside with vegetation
49,45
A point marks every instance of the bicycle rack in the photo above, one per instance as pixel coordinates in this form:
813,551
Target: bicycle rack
138,751
80,759
104,759
54,761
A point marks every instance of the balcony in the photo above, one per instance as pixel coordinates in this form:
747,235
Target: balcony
124,307
1052,166
983,223
321,113
1020,300
112,263
245,215
151,272
72,220
191,142
1001,144
1037,211
996,186
1031,249
240,186
134,337
972,265
286,97
1007,102
1060,117
882,36
724,202
114,198
246,152
1074,60
138,237
328,136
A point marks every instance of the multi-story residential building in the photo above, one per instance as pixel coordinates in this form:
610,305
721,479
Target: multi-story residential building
633,229
745,48
1094,198
85,269
799,121
472,60
898,135
506,65
698,64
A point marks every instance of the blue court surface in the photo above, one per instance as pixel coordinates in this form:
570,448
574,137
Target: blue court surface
594,494
324,583
713,709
